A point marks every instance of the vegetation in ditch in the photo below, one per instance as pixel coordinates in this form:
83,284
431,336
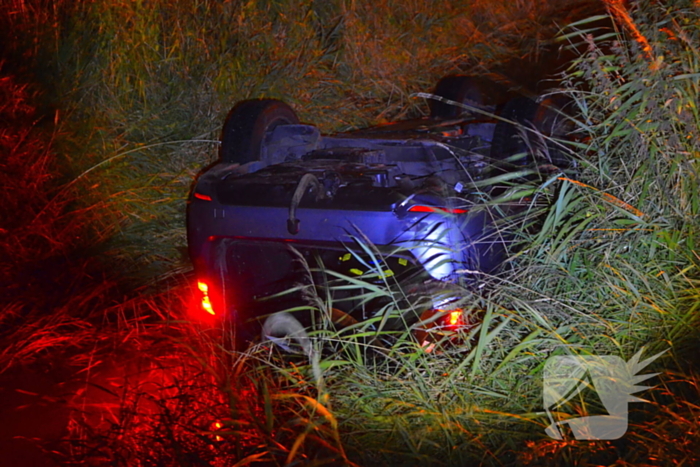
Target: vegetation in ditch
124,108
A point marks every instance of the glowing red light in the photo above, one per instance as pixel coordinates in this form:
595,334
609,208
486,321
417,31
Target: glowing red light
201,196
216,426
454,318
421,208
206,301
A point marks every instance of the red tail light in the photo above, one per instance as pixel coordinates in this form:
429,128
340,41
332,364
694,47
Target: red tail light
452,319
455,317
203,308
445,325
422,208
206,300
202,197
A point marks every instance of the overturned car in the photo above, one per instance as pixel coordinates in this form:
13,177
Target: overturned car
287,210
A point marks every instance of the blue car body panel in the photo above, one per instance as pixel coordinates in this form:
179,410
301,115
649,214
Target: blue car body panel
400,188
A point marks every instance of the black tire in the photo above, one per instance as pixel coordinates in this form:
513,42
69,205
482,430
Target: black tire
547,117
246,126
509,138
553,119
473,91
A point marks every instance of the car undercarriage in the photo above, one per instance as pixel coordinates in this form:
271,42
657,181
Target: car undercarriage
422,203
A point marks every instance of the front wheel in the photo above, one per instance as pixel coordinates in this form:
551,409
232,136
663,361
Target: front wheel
246,126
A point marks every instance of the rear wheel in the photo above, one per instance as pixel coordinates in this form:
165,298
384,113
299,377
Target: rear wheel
475,92
532,129
246,126
511,137
553,119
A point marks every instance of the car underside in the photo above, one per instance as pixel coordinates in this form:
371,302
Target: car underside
287,209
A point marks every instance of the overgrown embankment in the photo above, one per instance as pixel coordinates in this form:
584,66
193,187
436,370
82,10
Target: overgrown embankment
132,96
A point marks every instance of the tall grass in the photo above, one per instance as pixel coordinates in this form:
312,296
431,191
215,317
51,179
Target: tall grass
136,92
612,270
141,88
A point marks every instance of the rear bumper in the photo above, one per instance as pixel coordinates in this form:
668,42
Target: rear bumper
444,245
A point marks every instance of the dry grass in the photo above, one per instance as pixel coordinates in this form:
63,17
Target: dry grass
103,169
